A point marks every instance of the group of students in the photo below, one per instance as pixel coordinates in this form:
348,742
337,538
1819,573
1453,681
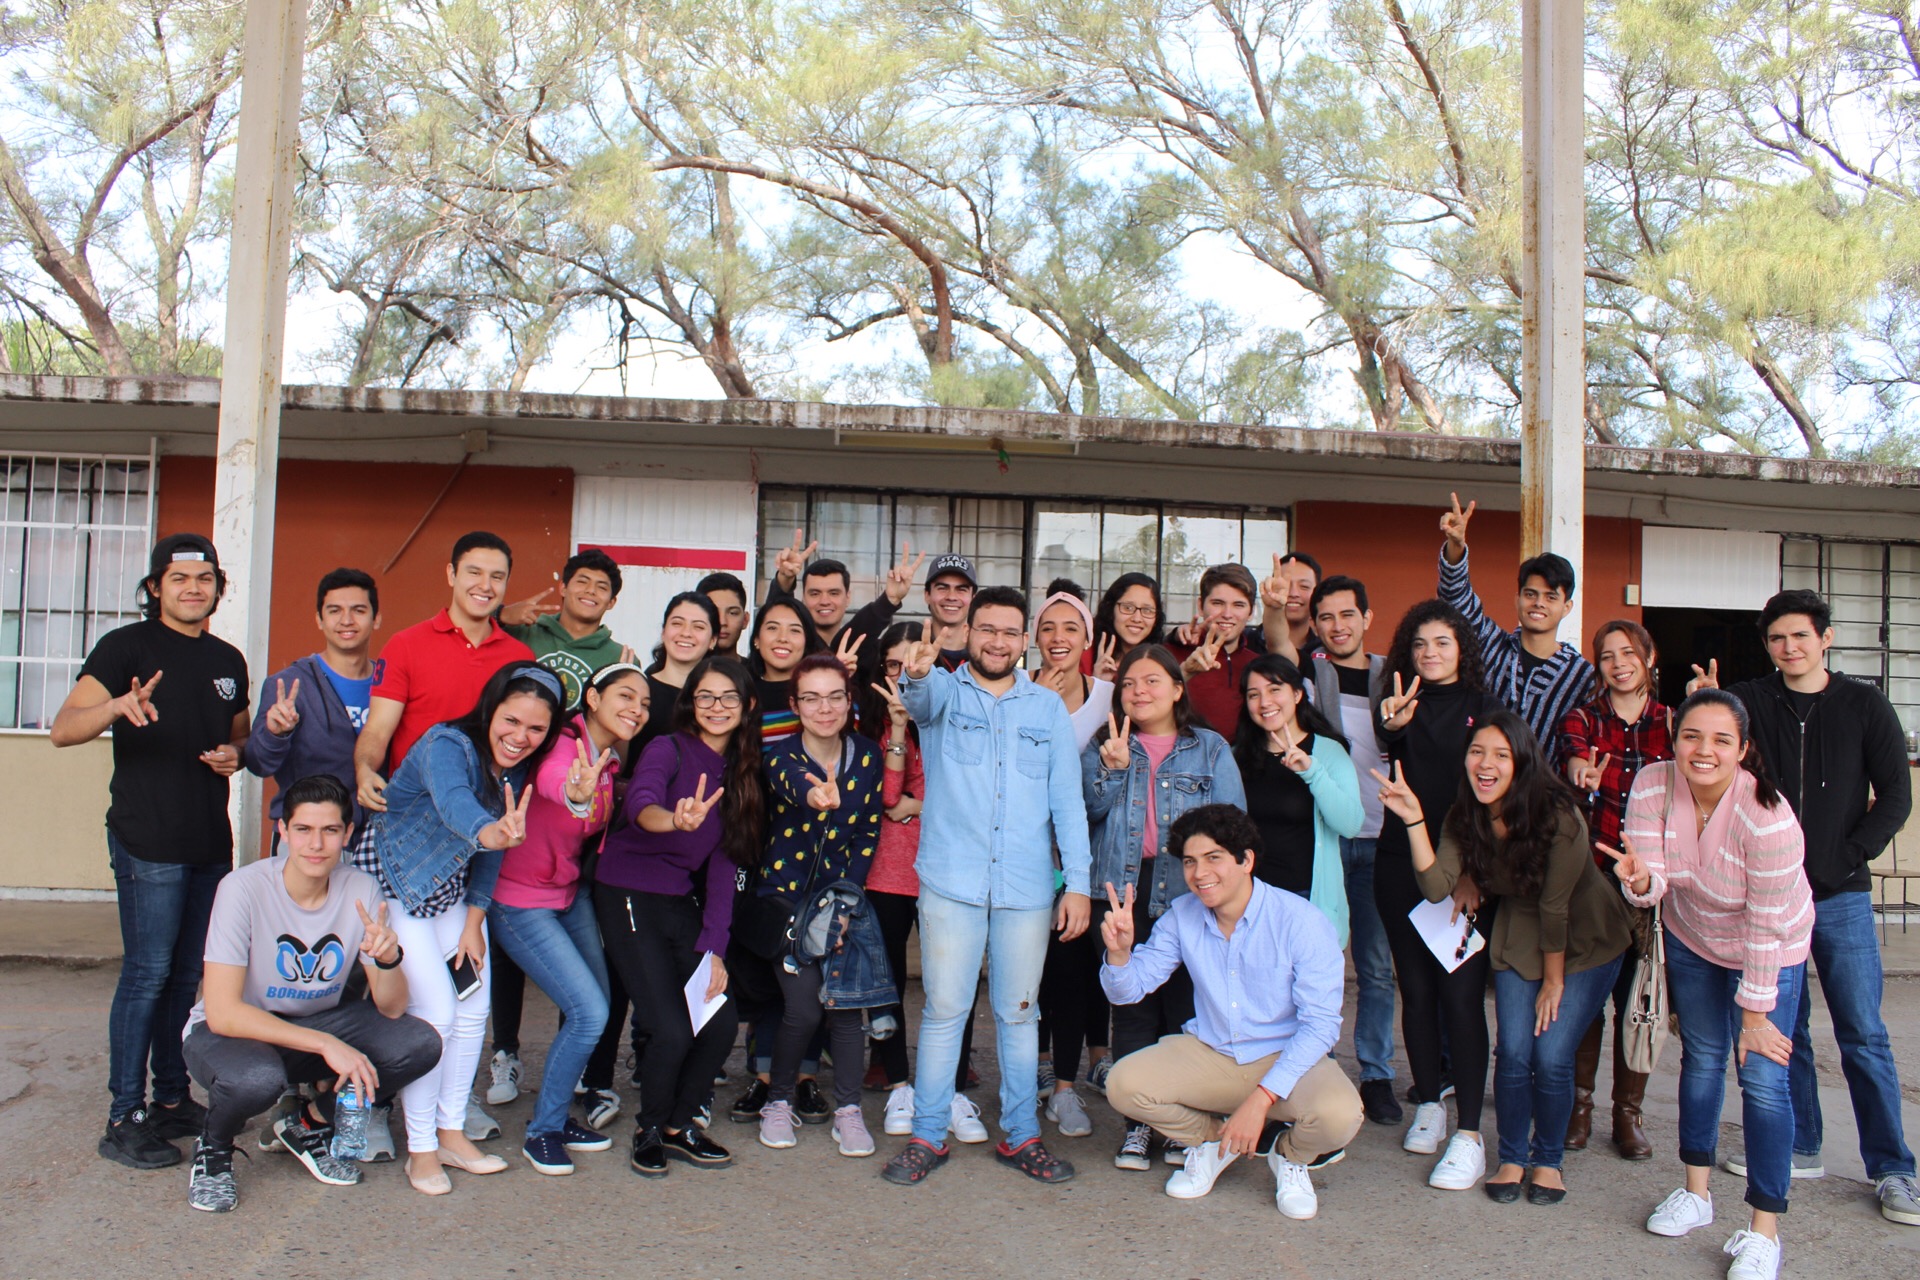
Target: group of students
507,792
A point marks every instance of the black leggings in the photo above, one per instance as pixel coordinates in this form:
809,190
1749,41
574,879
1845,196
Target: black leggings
599,1072
650,938
1073,1008
1433,1001
1158,1013
799,1021
509,997
897,914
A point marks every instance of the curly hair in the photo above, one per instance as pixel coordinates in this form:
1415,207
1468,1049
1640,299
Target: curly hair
1538,799
1473,671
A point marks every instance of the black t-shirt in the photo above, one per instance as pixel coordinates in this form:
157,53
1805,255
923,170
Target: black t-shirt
662,698
1802,703
1528,665
167,805
1281,806
1355,682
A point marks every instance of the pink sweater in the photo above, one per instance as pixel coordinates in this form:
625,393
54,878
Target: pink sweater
544,869
1739,894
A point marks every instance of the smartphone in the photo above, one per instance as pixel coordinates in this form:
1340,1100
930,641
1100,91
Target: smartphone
466,974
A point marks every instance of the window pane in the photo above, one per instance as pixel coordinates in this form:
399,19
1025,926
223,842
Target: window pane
1857,556
1129,543
992,533
1263,538
1066,544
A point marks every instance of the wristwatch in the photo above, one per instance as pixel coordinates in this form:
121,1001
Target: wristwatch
399,954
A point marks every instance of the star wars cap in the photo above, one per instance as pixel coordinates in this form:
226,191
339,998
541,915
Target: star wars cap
951,562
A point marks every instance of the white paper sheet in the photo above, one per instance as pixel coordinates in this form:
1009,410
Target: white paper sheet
699,1008
1443,936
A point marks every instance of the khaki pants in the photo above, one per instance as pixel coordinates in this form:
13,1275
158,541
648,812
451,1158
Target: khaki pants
1182,1087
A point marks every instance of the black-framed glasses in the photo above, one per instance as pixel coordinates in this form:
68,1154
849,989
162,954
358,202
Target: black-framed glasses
708,701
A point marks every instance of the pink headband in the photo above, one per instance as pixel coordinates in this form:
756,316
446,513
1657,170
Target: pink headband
1079,607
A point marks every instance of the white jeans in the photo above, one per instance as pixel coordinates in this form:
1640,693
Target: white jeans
438,1099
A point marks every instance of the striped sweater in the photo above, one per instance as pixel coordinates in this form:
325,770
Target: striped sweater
1542,697
1736,892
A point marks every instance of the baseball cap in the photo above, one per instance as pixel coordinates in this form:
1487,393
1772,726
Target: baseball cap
181,546
951,562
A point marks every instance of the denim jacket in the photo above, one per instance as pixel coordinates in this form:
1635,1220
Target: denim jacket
438,801
1003,786
1199,770
857,975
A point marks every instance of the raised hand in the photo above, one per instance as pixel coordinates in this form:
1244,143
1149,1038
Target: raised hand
1397,708
509,830
848,648
896,710
627,655
1106,659
1631,869
1207,656
822,794
789,561
1293,757
921,655
1453,524
900,578
690,811
1273,589
583,775
223,759
1117,752
282,716
1116,927
1191,633
524,613
1397,796
135,706
1708,679
377,939
1589,773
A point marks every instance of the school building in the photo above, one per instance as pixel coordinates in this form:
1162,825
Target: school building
1690,543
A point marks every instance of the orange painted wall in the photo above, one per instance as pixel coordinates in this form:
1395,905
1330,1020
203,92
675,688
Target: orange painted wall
356,514
1395,550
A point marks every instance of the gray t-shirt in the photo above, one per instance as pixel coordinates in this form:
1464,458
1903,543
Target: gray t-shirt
297,961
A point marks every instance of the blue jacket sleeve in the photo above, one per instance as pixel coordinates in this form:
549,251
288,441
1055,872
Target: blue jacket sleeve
927,700
453,789
265,752
1228,786
1100,787
1069,806
1456,588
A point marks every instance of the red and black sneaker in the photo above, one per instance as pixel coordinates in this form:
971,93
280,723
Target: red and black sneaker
915,1161
1034,1160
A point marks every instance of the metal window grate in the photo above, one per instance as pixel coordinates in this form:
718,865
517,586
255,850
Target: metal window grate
1873,589
74,535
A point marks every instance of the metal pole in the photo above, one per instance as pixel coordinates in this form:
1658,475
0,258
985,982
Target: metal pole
1553,274
249,447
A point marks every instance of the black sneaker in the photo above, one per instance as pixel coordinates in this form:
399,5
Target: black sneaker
1133,1149
1270,1134
210,1186
810,1103
308,1145
649,1158
746,1107
547,1154
703,1114
185,1119
577,1137
134,1144
1033,1159
1377,1100
915,1161
693,1146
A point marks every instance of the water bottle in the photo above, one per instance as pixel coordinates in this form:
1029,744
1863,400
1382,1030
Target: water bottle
350,1112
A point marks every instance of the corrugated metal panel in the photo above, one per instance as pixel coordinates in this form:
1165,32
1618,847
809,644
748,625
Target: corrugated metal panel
671,530
1707,568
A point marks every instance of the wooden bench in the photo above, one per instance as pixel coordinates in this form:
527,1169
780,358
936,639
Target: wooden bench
1895,872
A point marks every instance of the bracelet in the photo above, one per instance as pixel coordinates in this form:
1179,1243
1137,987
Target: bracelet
1421,823
399,954
896,750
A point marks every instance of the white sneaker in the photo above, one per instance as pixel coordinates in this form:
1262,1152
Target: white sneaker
1293,1188
505,1069
965,1120
479,1126
1202,1169
379,1136
1066,1110
1754,1256
899,1121
1429,1126
1804,1167
1680,1213
1464,1164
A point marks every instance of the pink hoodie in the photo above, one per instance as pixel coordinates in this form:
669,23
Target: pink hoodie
544,869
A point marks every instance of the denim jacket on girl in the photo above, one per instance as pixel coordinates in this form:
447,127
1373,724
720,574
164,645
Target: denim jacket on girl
1199,770
857,976
438,801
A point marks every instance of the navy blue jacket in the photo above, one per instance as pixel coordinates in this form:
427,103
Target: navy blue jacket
321,743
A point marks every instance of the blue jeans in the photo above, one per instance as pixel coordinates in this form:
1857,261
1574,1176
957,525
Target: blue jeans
164,909
560,951
1701,992
1847,957
953,938
1372,965
1533,1074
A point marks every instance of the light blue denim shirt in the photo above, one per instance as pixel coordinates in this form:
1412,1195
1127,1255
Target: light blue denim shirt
1003,788
1273,987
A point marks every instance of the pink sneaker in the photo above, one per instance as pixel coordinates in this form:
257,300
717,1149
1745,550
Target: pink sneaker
776,1125
850,1132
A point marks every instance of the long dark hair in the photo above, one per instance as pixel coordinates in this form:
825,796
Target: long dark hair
1763,789
1103,616
872,670
1182,706
515,677
705,605
810,643
743,807
1473,671
1536,802
1641,642
1250,740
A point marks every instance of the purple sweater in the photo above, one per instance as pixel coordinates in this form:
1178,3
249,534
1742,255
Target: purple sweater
671,862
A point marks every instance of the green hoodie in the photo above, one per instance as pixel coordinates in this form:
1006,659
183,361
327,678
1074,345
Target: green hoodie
574,661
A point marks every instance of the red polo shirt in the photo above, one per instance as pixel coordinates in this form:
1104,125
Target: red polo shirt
436,675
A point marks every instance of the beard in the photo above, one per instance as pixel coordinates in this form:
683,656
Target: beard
991,668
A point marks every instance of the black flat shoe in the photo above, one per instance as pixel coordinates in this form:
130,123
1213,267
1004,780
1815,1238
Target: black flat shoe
746,1107
693,1146
1502,1192
1537,1194
649,1158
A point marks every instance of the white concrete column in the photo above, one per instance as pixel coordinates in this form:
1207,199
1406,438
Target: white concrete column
248,455
1553,305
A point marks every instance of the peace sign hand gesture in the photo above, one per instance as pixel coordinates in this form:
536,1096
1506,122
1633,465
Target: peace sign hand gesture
1106,662
1116,927
1117,752
847,647
378,942
1589,773
921,655
1273,589
1453,524
1708,679
1207,656
896,710
1397,796
690,811
823,795
583,775
1397,708
900,577
1293,757
1629,867
524,613
789,561
135,706
510,829
282,716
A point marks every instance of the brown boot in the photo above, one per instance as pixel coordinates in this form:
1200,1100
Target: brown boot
1629,1091
1586,1065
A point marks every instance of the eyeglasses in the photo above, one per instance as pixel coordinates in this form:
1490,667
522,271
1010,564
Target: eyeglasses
708,701
894,666
814,701
1136,611
998,633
